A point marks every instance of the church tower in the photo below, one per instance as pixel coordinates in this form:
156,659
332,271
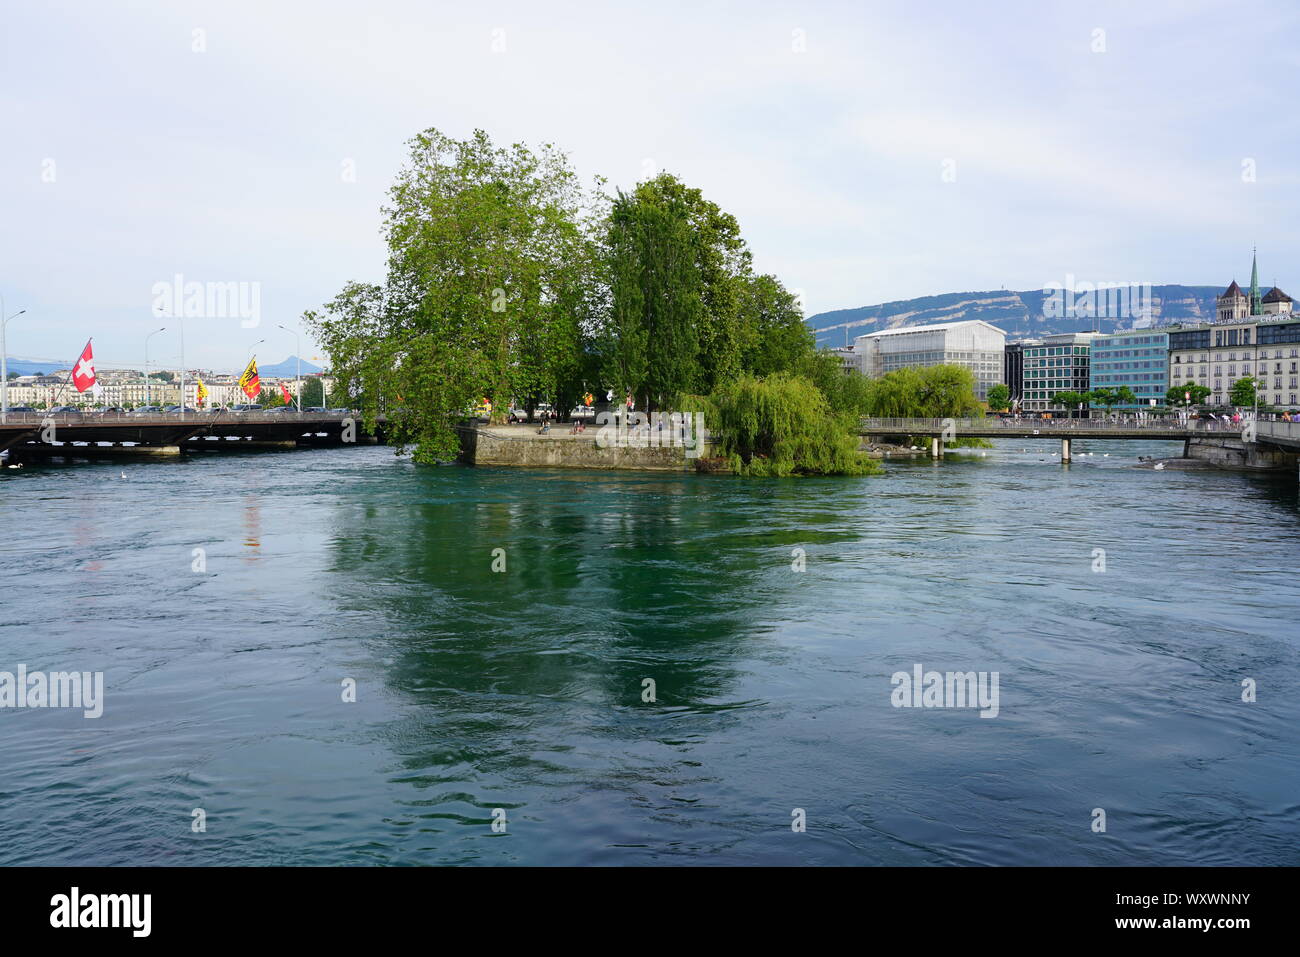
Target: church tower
1256,305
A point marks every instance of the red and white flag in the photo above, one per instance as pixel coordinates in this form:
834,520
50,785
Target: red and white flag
83,375
288,399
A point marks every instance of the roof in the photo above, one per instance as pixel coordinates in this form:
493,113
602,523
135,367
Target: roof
1276,295
1233,292
936,327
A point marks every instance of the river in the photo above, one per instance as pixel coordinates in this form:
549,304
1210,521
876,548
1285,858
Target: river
769,615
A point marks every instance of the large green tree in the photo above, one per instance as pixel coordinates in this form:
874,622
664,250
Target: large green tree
488,276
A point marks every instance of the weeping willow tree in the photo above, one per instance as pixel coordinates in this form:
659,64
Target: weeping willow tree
929,392
783,425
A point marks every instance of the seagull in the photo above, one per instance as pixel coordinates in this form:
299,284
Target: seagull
1159,466
123,475
1105,455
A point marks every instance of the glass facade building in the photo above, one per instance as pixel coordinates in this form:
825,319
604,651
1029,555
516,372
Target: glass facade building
1059,364
971,343
1138,358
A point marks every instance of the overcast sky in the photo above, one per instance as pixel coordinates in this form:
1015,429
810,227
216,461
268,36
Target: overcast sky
871,151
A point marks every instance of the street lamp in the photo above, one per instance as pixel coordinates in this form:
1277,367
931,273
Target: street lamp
297,354
148,395
4,357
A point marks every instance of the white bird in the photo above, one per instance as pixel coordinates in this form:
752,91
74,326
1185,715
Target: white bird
1105,455
1159,466
123,475
15,466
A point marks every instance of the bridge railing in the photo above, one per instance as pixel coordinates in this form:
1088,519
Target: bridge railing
1278,430
166,418
916,426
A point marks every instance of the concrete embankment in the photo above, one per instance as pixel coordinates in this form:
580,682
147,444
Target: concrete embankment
521,446
1230,452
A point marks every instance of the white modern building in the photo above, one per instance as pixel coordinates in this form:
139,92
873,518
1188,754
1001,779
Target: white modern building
972,343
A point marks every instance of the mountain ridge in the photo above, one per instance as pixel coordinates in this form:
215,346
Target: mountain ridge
1020,313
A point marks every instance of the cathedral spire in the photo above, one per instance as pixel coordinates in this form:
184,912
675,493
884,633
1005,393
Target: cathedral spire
1255,306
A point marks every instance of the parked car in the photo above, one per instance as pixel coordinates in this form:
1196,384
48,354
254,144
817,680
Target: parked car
246,407
315,408
21,408
148,410
176,409
66,410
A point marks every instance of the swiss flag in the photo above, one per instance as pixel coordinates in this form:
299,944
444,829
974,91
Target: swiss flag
83,376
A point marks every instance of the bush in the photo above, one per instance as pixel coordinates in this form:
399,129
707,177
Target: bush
784,425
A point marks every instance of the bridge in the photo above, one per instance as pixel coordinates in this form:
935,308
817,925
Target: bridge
1167,429
99,434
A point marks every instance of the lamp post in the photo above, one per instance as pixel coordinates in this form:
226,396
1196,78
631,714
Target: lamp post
297,354
148,394
4,358
182,322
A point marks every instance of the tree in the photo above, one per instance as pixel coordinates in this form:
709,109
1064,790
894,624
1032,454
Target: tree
783,425
773,335
1176,394
999,397
933,392
1070,401
656,297
1243,392
1125,396
1103,396
313,392
486,283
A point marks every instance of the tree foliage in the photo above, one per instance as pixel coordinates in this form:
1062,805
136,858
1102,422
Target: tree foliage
485,296
930,392
783,425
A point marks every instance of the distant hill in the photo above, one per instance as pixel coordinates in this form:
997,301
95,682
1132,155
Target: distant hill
1019,314
288,368
30,367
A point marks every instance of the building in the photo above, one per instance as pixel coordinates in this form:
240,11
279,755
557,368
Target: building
1216,355
127,389
1276,303
1013,367
972,343
850,359
1137,358
1057,364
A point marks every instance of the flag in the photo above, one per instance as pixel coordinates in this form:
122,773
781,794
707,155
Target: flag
83,376
249,382
284,391
201,392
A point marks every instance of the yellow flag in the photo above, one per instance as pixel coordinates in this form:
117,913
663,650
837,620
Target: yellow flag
202,392
249,381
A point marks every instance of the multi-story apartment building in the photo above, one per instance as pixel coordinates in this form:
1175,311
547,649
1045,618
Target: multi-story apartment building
1057,364
1217,355
972,343
1137,358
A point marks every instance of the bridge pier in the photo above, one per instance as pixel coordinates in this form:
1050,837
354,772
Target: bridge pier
1065,450
936,448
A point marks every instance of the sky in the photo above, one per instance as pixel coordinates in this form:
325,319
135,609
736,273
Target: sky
870,151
